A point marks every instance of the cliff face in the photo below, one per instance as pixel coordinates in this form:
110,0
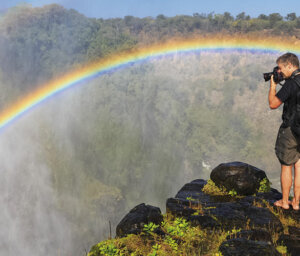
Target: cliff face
230,214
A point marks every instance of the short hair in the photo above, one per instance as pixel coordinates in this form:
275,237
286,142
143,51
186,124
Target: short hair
288,58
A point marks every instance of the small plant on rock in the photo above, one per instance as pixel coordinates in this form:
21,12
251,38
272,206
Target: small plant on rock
213,189
109,250
232,192
178,228
281,249
172,243
155,248
150,227
264,186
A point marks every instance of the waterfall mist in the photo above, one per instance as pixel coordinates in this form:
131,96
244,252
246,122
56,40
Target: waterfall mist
88,155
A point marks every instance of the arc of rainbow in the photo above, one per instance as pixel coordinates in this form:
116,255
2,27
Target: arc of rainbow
175,46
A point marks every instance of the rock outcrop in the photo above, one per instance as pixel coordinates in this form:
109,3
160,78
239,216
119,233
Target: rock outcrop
247,210
246,205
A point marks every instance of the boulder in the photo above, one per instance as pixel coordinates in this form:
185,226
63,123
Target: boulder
135,220
243,178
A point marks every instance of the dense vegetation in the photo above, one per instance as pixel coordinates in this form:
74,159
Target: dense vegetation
50,40
137,134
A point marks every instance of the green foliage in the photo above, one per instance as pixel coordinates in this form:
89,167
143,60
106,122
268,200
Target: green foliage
179,227
40,43
172,243
232,192
190,199
213,189
281,249
183,239
150,227
105,248
109,250
264,186
155,248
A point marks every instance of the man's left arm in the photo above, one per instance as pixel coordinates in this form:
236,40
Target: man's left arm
274,101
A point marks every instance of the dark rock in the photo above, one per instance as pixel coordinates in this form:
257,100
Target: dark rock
263,218
225,215
229,214
179,207
262,198
291,241
271,196
204,221
192,189
244,247
220,211
253,234
243,178
294,231
135,220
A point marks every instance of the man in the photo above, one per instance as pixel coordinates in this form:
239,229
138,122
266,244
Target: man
286,144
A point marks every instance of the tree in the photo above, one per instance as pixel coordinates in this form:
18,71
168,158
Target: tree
241,16
291,16
227,16
274,17
263,17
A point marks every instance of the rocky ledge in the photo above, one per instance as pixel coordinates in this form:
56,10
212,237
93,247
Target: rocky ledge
237,197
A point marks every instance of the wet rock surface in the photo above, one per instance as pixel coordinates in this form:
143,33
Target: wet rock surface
243,178
245,247
135,220
291,241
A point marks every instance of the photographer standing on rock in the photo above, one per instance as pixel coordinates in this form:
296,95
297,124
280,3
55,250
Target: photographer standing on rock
286,147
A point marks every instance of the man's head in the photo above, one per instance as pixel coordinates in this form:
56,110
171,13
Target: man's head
287,64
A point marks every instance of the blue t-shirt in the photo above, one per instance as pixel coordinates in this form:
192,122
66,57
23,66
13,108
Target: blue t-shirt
288,95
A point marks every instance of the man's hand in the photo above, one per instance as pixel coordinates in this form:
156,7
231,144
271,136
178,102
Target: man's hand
272,82
274,102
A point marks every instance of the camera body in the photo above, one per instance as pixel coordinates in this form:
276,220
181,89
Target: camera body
277,76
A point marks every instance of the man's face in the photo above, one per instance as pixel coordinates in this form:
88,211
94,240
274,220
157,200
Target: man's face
286,69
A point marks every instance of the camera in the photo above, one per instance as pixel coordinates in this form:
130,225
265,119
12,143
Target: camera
277,76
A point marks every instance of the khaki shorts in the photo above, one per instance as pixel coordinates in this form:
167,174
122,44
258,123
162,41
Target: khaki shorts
286,147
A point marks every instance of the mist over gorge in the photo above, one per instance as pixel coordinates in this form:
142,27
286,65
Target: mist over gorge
86,156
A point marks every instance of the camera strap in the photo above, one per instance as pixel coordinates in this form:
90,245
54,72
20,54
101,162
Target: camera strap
295,73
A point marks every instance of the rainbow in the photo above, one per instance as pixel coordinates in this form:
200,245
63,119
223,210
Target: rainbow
88,71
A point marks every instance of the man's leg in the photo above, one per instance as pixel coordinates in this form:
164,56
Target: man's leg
296,186
286,184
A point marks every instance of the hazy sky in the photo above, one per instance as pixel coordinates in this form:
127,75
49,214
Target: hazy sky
143,8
